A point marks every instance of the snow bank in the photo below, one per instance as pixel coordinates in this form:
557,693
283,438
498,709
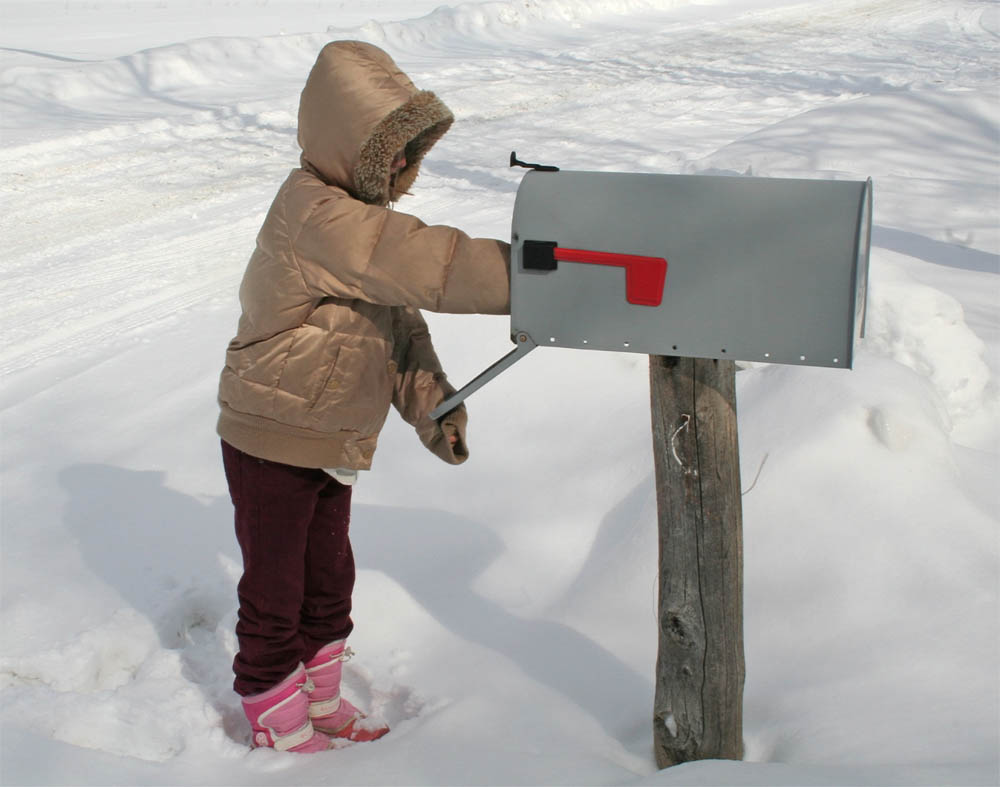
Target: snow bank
475,24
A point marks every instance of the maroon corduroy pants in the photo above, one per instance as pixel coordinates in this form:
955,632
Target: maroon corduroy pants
298,568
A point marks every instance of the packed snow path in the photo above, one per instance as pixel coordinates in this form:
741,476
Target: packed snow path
505,609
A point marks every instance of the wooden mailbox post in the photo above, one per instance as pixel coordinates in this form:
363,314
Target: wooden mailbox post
698,705
694,271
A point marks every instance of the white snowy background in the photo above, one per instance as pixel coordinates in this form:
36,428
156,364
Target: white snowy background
505,610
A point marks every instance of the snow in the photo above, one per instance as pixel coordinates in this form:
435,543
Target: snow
505,609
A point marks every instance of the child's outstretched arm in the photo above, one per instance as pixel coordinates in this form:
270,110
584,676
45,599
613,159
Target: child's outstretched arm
350,249
421,385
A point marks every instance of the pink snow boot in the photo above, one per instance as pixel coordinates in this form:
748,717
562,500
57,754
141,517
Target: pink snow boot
280,716
332,714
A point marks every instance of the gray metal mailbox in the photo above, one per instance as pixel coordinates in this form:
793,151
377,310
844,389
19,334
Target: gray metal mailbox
704,266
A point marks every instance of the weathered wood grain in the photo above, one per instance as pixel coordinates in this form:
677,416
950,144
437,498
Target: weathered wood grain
698,707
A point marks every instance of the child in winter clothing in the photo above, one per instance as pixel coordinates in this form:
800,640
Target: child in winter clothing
330,335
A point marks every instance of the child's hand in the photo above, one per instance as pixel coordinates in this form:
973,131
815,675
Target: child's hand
447,441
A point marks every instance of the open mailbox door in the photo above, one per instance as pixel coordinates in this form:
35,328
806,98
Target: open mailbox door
702,266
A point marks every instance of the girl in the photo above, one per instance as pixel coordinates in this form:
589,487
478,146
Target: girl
331,334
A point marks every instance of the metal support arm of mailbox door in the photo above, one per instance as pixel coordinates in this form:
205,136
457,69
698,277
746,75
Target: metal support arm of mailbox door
524,345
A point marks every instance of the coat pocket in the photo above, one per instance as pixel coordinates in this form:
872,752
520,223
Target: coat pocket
357,393
332,364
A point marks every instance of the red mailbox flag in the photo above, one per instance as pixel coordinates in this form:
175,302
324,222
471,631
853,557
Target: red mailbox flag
644,276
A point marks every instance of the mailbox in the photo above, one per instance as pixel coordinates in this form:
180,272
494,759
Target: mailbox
704,266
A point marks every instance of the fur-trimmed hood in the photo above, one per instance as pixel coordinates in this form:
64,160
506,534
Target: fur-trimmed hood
356,112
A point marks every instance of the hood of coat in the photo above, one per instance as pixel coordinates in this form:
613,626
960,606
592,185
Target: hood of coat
356,112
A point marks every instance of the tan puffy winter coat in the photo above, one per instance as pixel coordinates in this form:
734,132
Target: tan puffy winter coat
330,333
